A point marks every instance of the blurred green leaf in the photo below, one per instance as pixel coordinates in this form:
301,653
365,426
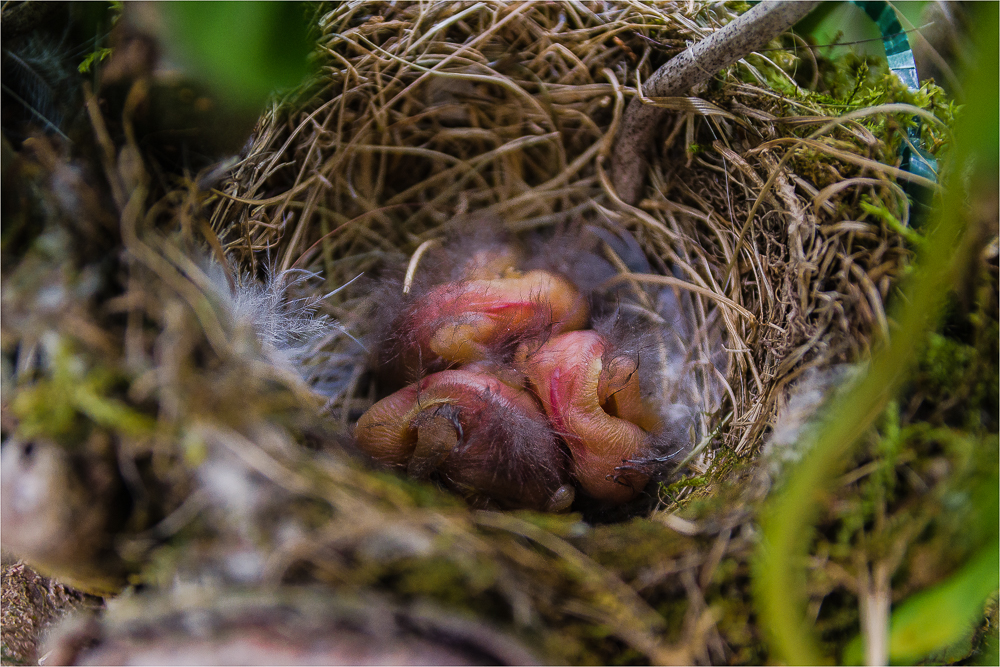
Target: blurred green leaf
936,618
245,50
842,23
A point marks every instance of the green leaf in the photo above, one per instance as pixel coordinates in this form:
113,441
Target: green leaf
941,616
245,50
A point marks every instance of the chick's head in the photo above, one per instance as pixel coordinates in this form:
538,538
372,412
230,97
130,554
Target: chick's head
592,399
482,438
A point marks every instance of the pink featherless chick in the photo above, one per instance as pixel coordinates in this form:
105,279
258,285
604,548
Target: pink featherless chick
482,438
477,319
471,301
595,391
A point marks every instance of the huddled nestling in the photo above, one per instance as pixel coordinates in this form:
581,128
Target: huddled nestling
522,386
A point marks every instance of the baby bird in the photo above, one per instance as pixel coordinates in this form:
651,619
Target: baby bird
511,402
593,398
466,321
475,299
485,439
476,320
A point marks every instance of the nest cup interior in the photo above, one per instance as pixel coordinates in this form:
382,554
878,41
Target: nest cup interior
425,120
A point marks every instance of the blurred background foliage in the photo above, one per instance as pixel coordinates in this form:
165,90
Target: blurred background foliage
244,50
840,28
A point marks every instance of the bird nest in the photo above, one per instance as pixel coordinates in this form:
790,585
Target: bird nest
198,436
426,120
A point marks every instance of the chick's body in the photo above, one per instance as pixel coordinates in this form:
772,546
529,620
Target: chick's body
487,440
569,375
512,398
467,321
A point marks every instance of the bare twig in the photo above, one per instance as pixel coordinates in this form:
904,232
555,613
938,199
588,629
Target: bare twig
700,62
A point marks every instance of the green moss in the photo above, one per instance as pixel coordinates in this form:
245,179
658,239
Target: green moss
409,492
563,525
628,548
946,362
444,579
72,393
100,55
956,382
685,483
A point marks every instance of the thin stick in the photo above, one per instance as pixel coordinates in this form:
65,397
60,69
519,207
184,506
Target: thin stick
411,270
698,64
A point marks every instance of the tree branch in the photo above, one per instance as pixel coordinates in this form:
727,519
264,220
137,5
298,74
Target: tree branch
697,64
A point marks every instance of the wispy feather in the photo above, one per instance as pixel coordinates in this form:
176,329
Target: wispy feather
288,323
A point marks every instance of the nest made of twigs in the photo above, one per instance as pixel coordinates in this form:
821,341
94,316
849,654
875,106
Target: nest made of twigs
423,114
